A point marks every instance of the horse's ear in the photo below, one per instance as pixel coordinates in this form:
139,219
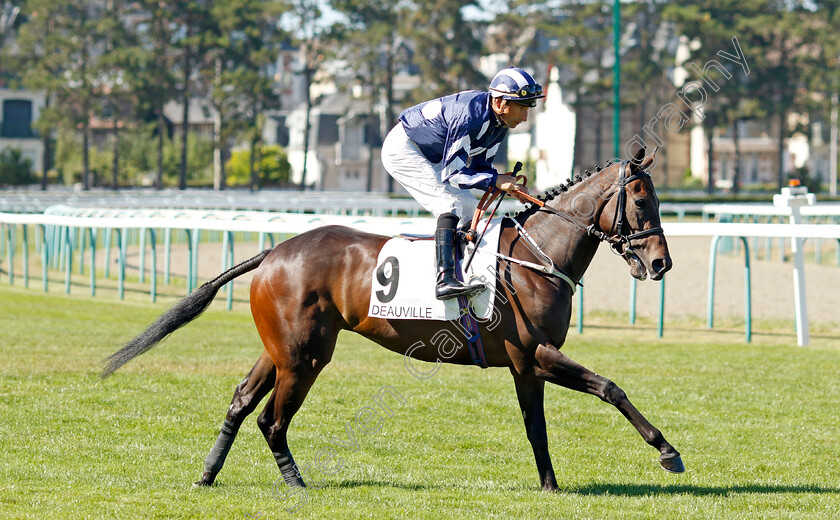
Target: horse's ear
637,159
649,159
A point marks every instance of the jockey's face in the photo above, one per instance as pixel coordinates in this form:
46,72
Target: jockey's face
511,112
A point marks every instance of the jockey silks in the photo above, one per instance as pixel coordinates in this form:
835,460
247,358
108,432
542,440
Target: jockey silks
461,132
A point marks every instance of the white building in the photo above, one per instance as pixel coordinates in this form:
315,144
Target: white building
555,137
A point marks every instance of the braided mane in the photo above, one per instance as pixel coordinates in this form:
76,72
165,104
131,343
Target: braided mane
552,193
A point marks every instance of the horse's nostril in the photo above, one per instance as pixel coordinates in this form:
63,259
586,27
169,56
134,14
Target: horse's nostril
660,265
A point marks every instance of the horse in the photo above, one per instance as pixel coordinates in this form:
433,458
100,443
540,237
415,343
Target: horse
309,287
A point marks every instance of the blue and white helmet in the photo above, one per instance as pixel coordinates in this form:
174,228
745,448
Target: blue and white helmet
514,84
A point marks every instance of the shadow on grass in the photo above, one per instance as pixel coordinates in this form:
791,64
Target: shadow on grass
625,490
376,483
655,489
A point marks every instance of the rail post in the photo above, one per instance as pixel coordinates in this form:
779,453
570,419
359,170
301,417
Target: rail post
25,259
10,252
747,287
794,197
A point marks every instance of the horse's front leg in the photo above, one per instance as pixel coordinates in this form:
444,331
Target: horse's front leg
530,392
557,368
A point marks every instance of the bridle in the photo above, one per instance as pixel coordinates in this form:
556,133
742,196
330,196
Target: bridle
620,242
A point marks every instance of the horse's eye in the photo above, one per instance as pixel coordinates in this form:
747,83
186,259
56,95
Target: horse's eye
640,203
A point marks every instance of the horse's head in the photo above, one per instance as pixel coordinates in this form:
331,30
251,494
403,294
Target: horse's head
631,218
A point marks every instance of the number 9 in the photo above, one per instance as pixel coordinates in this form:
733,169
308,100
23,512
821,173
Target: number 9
392,280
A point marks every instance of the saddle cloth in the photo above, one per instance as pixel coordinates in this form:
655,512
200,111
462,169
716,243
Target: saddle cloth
403,282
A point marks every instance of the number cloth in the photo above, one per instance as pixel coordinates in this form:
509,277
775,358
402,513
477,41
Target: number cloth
403,285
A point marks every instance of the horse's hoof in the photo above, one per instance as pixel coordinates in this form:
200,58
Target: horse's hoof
294,481
672,465
206,480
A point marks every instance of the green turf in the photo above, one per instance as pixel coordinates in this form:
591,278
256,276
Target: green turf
757,426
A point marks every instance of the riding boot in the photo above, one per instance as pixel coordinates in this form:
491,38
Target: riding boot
448,286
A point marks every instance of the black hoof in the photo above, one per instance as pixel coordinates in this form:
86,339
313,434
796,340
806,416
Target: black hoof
672,465
206,480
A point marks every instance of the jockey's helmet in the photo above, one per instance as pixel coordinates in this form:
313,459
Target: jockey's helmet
514,84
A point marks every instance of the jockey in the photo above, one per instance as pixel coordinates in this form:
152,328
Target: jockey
442,148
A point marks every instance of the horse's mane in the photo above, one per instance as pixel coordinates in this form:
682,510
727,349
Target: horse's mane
554,192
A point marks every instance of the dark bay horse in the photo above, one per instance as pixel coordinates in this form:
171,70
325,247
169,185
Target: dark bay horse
316,284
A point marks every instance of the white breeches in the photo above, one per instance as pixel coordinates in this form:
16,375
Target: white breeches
405,162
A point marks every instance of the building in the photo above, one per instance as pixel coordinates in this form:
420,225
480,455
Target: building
202,117
20,108
344,144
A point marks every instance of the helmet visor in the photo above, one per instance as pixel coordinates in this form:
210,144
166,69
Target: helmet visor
530,91
526,95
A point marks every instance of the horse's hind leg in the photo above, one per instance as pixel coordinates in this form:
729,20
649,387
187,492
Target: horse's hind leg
559,369
246,397
298,365
290,390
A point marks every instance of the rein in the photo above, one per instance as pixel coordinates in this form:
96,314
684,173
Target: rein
620,242
616,236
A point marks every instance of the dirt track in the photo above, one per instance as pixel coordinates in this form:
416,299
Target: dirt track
607,283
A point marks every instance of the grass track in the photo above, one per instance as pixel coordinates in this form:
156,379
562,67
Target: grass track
757,426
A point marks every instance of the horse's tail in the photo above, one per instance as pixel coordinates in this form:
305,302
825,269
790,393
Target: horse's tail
179,315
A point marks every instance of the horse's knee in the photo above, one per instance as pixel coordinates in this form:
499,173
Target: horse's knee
244,401
611,393
249,392
239,408
265,423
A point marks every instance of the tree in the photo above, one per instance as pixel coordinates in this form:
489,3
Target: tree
273,170
244,47
193,30
9,18
306,16
112,78
446,47
151,64
646,60
775,43
14,168
582,32
825,75
370,40
60,44
788,48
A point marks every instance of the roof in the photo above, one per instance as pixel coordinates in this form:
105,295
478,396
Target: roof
201,112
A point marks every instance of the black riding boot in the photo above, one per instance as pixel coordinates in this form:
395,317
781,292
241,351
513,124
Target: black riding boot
448,286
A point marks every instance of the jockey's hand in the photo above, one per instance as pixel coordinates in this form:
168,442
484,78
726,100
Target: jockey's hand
507,183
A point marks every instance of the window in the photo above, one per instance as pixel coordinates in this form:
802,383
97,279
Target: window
17,119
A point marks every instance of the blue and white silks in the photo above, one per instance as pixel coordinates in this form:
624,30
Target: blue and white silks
461,132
